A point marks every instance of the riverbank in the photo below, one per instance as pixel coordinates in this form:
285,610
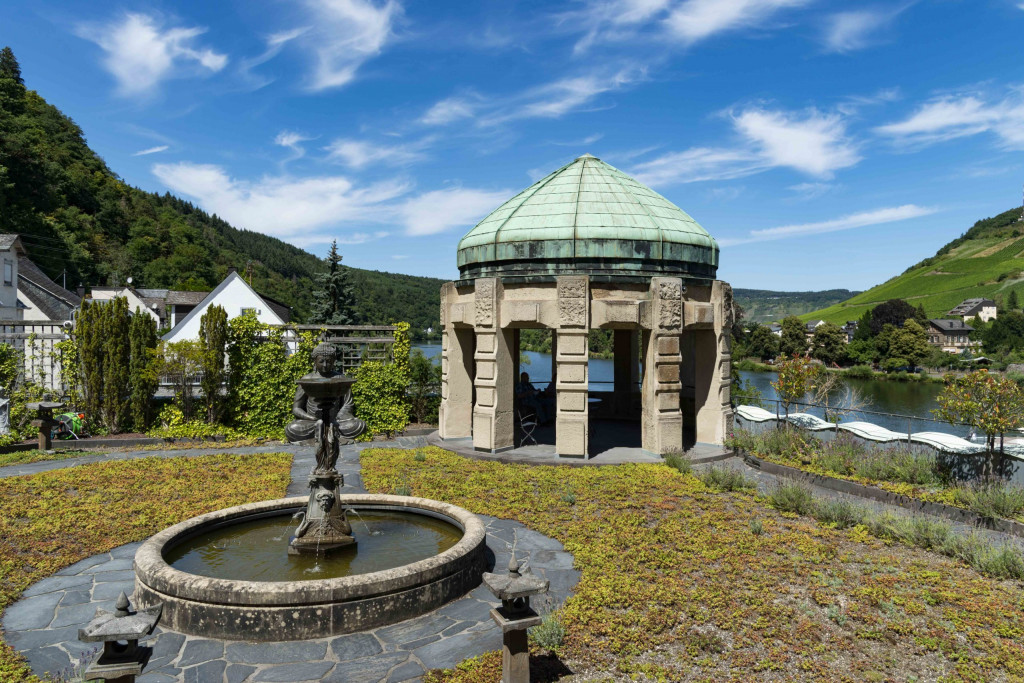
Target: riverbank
854,372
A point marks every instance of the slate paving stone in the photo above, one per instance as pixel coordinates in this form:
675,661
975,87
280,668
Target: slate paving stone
199,651
156,677
30,640
468,608
51,660
276,653
366,670
354,646
123,551
551,559
33,613
80,566
117,565
56,583
413,629
236,673
166,644
458,628
446,653
205,673
419,643
110,590
74,615
407,672
111,577
307,671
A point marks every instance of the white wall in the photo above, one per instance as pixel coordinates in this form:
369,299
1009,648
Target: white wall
9,292
134,302
233,295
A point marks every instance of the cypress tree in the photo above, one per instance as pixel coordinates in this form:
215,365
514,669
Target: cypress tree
90,352
9,67
143,377
333,299
1011,301
116,365
213,337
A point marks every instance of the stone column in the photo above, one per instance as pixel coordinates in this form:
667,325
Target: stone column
495,372
714,366
572,430
455,416
662,421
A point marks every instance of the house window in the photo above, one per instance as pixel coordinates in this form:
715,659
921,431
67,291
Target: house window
8,272
250,310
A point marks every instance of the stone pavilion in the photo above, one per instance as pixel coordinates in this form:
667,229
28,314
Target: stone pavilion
585,248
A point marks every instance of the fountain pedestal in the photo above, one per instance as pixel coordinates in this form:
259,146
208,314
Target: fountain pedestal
324,526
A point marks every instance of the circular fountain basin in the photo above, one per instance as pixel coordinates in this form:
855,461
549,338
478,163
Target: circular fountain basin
212,585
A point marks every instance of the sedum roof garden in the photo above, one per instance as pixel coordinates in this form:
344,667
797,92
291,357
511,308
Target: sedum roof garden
588,218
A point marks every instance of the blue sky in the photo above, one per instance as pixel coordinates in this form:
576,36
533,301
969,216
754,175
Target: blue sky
824,144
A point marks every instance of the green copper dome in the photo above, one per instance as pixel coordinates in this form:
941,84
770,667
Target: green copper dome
588,218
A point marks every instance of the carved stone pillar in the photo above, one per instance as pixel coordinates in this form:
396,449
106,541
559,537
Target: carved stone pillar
572,430
455,416
662,422
714,370
495,372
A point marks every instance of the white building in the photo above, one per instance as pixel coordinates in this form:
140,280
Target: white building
971,308
236,297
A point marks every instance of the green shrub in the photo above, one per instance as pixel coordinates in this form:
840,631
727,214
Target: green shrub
842,513
678,461
993,499
859,372
727,479
550,633
171,424
792,497
379,395
756,527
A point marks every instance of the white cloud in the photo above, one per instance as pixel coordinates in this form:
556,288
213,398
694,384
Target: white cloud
440,210
300,209
955,116
849,31
612,20
275,43
347,33
280,206
448,110
695,20
698,164
808,191
151,150
814,143
809,142
855,220
140,53
551,100
293,141
359,153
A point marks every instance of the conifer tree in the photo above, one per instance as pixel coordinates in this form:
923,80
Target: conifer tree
333,298
9,67
213,337
1011,301
143,375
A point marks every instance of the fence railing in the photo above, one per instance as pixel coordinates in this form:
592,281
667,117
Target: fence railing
40,358
356,344
830,413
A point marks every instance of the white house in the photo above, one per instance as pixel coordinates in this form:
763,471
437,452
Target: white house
10,250
136,303
236,297
971,308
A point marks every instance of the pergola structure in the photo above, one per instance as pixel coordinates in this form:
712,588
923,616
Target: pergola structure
588,247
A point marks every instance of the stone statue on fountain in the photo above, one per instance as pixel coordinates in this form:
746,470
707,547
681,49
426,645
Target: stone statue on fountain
324,417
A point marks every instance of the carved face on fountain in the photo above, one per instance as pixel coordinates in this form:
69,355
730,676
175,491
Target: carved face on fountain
324,359
325,500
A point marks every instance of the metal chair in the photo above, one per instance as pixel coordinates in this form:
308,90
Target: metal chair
527,424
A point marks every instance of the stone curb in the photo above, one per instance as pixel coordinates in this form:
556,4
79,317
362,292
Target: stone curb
955,514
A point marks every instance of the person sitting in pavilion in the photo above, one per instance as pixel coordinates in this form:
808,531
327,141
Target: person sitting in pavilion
530,399
304,408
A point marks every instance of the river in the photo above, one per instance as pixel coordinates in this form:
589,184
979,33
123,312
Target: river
915,399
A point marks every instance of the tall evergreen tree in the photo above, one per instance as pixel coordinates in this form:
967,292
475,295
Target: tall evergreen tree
142,374
9,67
213,339
333,299
1012,304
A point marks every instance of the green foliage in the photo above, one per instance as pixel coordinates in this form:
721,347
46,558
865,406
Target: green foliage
1005,333
795,378
11,360
71,369
829,344
792,497
679,462
761,305
992,499
761,343
794,337
549,634
143,371
424,388
333,299
727,479
262,376
213,339
992,404
181,362
102,333
171,423
379,395
904,346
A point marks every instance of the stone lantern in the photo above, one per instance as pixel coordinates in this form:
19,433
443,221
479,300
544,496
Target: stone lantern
515,616
122,659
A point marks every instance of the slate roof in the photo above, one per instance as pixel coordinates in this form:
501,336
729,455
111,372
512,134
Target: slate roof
957,325
971,306
7,241
52,299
